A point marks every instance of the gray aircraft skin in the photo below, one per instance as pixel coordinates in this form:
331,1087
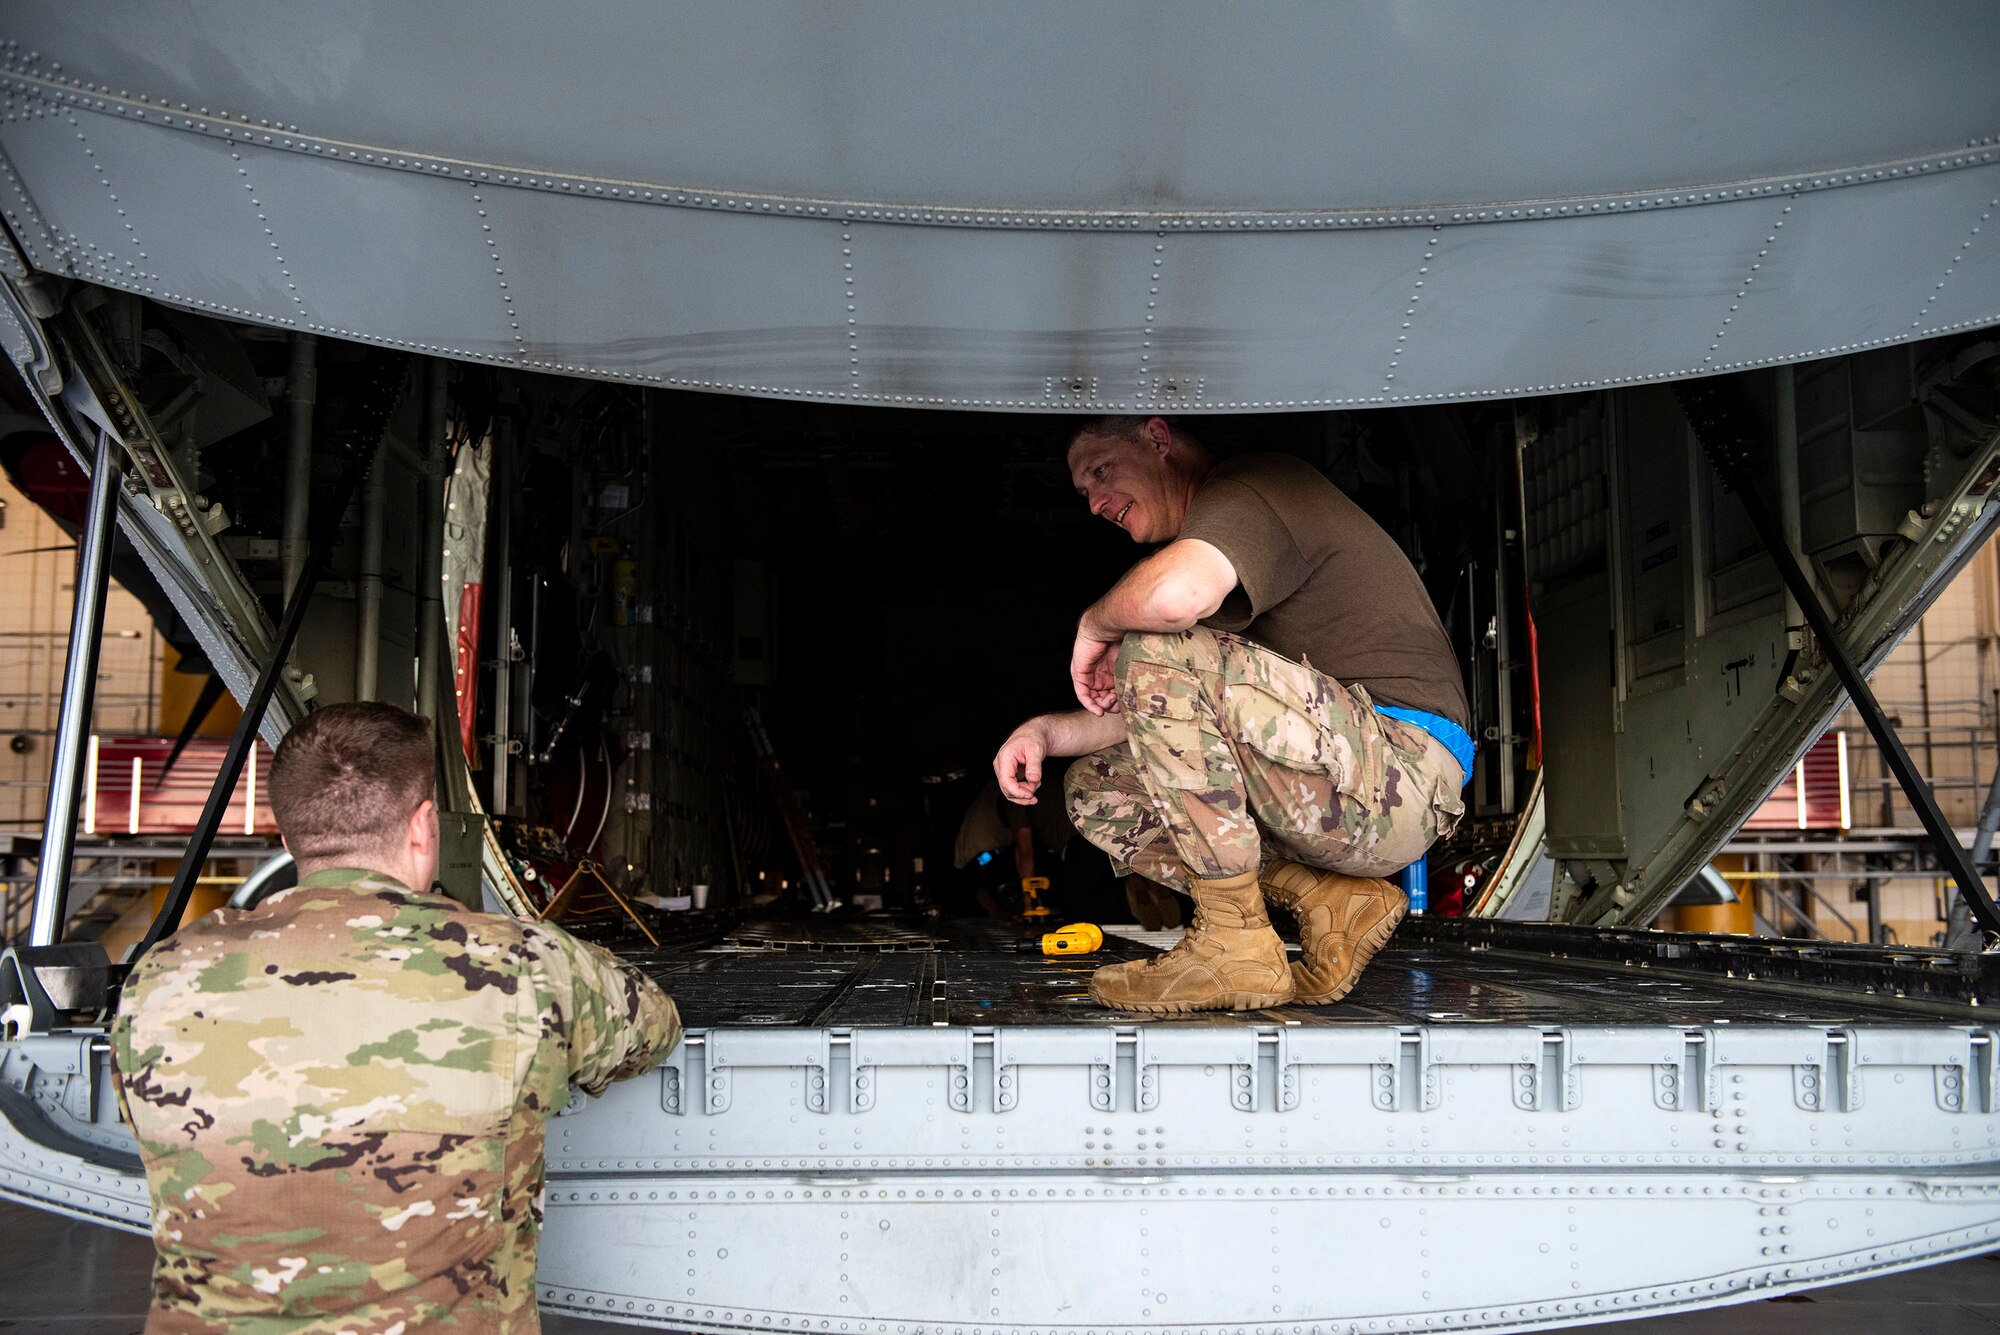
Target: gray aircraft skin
1030,206
1176,208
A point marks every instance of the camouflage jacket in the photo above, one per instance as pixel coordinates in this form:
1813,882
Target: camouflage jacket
340,1098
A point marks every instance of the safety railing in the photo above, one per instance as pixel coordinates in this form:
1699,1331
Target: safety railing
1957,759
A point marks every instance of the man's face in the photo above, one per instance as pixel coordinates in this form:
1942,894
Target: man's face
1131,483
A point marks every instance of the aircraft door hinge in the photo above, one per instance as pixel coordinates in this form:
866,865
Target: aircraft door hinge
69,1064
1960,1062
1985,1050
808,1052
1818,1060
80,1088
1672,1056
1520,1051
956,1052
674,1077
1241,1051
1377,1051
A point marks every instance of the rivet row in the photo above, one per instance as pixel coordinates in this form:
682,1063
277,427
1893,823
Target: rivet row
17,76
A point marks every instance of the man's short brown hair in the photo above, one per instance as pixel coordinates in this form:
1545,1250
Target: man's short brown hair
1108,426
347,778
1126,427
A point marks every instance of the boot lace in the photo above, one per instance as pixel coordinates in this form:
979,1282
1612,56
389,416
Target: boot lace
1187,944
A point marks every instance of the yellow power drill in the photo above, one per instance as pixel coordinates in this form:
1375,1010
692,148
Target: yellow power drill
1078,938
1032,907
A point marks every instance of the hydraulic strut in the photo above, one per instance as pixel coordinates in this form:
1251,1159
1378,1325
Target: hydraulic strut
86,630
1733,441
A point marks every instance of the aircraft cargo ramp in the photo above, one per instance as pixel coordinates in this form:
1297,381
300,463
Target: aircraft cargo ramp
1505,1127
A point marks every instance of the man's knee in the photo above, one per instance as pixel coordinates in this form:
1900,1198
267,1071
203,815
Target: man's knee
1085,783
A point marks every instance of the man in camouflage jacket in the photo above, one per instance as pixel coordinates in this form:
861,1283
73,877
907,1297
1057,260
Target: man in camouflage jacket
1271,713
340,1095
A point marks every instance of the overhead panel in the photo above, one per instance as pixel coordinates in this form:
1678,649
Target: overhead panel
1214,339
1612,293
1044,105
676,296
1837,271
1022,318
71,222
1270,208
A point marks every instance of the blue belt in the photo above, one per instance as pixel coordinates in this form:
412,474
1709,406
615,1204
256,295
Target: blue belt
1455,738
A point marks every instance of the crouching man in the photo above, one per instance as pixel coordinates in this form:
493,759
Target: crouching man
340,1095
1271,712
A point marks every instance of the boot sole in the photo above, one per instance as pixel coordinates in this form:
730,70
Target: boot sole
1364,951
1222,1001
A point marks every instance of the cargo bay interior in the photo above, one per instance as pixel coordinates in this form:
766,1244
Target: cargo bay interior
671,631
884,594
656,601
754,656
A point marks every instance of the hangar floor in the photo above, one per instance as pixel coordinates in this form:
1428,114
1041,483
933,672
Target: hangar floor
65,1277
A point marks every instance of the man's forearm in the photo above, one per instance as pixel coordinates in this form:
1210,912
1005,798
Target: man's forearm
1078,733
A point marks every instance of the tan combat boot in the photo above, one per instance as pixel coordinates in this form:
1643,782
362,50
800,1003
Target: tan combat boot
1229,960
1343,921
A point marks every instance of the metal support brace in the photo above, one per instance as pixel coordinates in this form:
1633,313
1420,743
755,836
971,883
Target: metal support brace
301,395
86,631
1731,438
368,591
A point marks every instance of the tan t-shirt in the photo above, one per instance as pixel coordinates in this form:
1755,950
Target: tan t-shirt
1321,583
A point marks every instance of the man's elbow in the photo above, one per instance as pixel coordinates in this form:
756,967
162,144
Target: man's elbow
1183,602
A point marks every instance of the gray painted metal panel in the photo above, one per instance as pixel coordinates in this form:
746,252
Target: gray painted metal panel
1047,105
1029,207
1146,1178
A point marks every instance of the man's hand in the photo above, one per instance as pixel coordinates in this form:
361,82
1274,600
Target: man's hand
1091,669
1018,766
1170,590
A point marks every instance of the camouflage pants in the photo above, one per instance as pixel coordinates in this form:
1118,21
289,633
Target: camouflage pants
1235,755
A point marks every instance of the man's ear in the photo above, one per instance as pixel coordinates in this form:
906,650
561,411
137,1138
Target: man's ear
422,830
1158,434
